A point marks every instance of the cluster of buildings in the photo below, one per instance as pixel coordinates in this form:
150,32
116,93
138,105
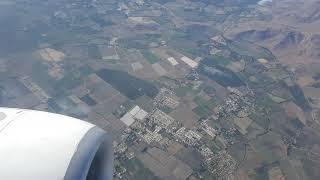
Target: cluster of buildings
188,137
119,171
166,98
219,41
157,126
193,76
229,135
236,102
161,119
150,126
208,129
220,164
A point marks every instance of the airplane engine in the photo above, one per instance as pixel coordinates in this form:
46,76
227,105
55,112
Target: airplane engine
45,146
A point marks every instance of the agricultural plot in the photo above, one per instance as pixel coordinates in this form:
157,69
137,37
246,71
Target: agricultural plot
149,56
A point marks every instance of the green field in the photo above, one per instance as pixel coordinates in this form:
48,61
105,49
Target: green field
138,171
182,91
207,176
86,70
166,109
94,52
150,57
72,78
247,48
202,111
200,101
219,60
145,102
129,85
260,119
204,108
267,103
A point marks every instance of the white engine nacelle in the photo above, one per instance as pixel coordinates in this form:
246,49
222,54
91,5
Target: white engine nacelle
45,146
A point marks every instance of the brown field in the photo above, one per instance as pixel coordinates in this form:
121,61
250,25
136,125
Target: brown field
187,117
305,81
51,55
164,166
276,174
237,66
294,111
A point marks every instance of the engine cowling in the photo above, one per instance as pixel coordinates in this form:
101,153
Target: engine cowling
41,145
